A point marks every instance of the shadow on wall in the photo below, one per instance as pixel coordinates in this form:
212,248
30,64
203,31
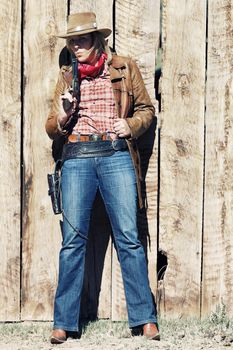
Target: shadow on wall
162,261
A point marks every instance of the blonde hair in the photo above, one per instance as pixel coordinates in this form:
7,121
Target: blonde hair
99,45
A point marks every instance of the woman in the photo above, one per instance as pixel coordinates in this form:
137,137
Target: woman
112,111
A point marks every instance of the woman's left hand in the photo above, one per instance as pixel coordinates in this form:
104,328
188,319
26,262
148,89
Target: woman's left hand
121,128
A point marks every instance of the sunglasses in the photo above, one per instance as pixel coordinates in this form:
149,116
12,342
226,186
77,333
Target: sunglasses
79,41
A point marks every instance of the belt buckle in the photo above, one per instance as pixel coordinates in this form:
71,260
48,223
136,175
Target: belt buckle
95,137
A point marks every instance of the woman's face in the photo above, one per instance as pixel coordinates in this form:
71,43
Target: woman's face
80,45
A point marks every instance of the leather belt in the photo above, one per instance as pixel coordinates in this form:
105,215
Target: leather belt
90,137
88,149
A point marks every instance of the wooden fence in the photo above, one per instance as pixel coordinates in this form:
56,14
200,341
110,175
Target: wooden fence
187,160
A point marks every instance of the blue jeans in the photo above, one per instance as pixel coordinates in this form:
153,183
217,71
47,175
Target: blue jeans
115,178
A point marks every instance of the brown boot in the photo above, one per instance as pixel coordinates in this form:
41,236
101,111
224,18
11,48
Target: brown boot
151,332
58,336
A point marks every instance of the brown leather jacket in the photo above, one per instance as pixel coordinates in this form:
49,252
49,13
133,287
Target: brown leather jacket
132,101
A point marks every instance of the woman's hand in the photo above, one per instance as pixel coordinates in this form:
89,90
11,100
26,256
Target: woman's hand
121,128
68,104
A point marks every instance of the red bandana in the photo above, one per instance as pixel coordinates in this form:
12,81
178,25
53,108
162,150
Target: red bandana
88,70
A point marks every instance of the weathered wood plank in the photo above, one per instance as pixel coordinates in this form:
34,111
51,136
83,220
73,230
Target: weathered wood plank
104,309
99,260
10,144
218,222
137,35
182,151
41,232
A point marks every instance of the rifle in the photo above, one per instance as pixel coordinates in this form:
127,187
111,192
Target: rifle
75,92
58,143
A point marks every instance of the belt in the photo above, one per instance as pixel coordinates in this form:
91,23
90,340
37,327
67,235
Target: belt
90,137
87,149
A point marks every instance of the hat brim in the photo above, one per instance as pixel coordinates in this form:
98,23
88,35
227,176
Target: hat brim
105,31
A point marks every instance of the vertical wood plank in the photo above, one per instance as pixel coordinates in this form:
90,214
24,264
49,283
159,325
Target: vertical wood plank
10,141
41,232
137,35
182,138
218,222
104,305
100,230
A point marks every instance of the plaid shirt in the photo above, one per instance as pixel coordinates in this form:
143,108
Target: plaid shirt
97,110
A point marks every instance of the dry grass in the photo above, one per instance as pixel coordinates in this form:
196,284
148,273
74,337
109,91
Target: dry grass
216,332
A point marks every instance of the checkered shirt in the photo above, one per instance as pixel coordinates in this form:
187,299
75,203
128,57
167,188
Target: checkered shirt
97,110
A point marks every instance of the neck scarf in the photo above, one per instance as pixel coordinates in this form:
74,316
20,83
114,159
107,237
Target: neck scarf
89,70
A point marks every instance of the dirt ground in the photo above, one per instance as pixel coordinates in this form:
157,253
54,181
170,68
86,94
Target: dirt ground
215,333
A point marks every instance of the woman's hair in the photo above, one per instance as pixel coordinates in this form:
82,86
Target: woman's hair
99,45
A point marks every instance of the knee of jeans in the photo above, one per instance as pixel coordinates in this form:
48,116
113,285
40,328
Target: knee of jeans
73,238
127,241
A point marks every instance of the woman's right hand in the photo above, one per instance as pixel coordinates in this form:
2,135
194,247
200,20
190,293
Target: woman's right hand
68,105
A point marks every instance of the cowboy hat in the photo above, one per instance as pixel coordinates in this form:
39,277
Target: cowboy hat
82,23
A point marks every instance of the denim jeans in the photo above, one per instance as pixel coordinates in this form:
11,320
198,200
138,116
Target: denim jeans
115,177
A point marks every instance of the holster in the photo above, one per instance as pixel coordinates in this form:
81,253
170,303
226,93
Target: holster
54,191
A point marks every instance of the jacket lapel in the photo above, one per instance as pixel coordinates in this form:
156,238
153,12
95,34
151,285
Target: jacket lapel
120,90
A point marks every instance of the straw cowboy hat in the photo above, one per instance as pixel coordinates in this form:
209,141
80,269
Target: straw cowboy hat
83,23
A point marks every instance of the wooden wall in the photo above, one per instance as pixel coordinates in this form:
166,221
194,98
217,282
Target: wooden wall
187,160
182,154
218,190
10,161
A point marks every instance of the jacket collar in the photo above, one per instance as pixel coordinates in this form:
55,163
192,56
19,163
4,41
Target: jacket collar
117,61
115,67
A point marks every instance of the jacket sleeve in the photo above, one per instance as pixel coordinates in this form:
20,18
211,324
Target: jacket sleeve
143,109
52,125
